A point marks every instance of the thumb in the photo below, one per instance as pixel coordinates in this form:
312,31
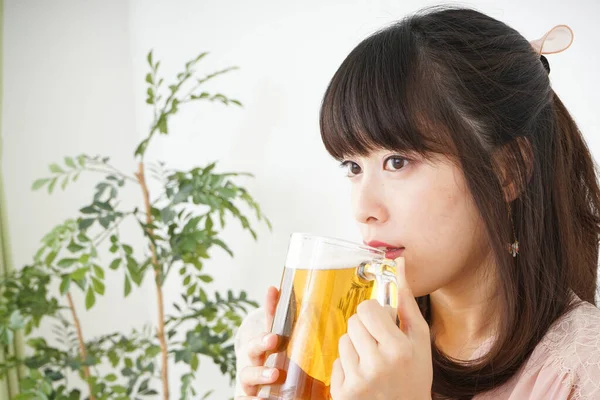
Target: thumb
409,314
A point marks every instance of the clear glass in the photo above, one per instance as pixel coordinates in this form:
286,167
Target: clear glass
324,280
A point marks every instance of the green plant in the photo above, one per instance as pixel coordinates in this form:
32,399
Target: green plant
181,226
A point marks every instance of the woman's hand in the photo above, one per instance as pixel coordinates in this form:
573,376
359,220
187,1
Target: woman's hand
378,360
252,377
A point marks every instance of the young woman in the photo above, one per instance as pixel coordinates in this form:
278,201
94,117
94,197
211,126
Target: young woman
460,153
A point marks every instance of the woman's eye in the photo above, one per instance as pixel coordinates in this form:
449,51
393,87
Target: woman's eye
395,163
352,168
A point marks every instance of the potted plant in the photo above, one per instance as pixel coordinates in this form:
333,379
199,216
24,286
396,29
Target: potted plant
181,224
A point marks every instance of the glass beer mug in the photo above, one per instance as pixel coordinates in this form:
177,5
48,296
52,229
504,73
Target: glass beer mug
324,281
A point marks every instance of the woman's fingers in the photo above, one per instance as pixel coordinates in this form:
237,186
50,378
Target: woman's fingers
348,356
258,346
252,377
337,375
362,340
271,300
255,375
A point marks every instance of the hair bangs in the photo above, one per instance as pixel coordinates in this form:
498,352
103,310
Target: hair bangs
377,100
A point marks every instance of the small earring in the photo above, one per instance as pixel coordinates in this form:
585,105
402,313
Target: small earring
513,248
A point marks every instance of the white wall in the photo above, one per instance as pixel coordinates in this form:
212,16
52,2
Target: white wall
74,82
67,90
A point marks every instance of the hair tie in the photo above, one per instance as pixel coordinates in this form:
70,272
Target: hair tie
554,41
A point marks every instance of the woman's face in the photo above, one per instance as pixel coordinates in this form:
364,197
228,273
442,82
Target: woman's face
424,207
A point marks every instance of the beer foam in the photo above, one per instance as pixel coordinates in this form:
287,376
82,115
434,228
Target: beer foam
314,252
327,264
296,260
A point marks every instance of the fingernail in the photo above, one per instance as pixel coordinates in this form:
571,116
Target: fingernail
265,340
267,373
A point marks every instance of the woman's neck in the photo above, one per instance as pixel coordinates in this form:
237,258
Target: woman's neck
463,313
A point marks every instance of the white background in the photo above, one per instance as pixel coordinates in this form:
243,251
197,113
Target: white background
74,83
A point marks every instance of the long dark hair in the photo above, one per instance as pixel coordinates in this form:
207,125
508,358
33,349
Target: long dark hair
454,81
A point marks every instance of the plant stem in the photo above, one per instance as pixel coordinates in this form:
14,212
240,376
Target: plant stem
82,350
158,280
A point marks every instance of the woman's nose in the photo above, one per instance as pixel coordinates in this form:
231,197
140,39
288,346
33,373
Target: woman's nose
369,205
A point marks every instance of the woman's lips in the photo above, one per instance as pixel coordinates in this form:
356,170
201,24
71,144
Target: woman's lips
393,254
391,251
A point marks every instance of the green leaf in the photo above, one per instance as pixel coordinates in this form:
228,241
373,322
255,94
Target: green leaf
174,105
74,247
81,284
191,290
162,124
119,389
100,189
167,215
209,223
98,286
149,78
39,183
64,285
90,298
79,273
127,249
88,210
195,362
50,257
51,185
65,182
110,377
136,277
127,286
115,263
205,278
67,262
222,245
141,149
103,205
113,357
149,58
85,223
99,271
56,169
197,264
144,386
203,296
150,98
152,351
104,221
70,162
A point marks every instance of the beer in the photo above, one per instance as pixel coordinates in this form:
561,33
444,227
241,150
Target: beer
323,282
312,315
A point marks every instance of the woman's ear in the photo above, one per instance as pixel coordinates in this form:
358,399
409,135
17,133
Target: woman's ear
514,165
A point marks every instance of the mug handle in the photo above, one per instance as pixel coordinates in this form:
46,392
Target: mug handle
384,274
